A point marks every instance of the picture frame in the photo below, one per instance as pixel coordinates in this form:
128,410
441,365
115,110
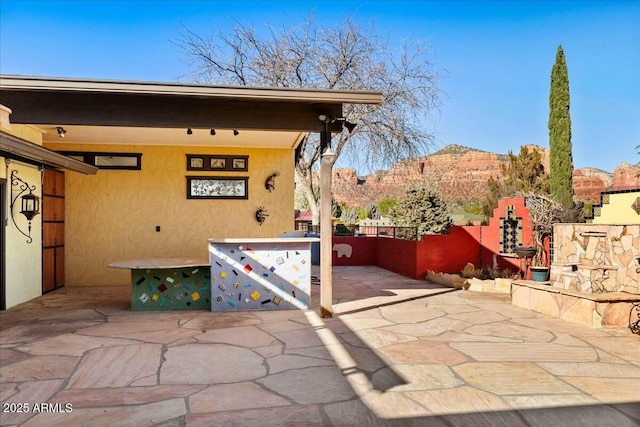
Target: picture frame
239,163
217,163
217,187
196,162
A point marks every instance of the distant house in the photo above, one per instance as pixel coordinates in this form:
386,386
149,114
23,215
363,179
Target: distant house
303,220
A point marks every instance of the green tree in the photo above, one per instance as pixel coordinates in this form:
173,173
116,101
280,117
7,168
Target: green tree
560,156
424,209
522,173
385,205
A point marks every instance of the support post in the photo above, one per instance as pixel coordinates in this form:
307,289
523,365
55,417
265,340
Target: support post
326,226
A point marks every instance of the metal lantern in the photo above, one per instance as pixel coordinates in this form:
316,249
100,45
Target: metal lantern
30,205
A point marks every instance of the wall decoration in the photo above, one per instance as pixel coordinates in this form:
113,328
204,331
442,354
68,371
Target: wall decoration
217,187
218,163
261,215
260,275
196,162
343,250
239,163
270,183
186,288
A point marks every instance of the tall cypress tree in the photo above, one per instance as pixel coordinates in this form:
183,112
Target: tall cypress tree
560,157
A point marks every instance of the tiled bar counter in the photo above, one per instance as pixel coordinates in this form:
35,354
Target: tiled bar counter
260,273
168,283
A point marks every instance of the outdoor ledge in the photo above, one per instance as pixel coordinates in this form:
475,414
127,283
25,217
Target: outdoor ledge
159,263
597,267
586,266
606,297
508,255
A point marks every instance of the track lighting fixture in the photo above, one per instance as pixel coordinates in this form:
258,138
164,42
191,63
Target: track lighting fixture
61,131
350,126
212,132
235,132
189,131
326,119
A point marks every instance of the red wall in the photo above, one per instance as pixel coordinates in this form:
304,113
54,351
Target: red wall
447,253
363,250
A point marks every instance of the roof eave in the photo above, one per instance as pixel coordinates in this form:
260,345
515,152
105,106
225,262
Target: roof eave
20,148
182,89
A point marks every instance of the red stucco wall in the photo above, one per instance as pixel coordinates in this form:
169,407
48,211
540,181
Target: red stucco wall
448,253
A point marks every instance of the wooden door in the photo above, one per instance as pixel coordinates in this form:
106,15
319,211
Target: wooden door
52,230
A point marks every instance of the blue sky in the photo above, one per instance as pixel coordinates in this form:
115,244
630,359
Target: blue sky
495,57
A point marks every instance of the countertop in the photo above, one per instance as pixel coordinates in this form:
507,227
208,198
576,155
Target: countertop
157,263
265,240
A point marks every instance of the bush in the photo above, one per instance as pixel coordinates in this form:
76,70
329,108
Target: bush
423,209
343,230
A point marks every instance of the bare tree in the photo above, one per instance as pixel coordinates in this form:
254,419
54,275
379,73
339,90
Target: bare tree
344,57
544,211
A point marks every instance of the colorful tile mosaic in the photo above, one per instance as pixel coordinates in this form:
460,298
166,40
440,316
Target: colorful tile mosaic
636,206
171,288
510,230
260,276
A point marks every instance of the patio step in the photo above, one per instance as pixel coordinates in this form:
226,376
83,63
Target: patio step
609,309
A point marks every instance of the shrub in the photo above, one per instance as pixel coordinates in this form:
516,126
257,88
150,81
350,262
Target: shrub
423,209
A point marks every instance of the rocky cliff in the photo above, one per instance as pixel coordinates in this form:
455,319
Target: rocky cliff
626,176
461,174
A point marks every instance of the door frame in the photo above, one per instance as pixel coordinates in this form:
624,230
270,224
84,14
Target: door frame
3,232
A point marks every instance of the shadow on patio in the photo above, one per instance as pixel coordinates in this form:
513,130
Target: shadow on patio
397,352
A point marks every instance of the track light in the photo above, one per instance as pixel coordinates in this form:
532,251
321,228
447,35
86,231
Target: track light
350,126
235,132
326,119
61,131
212,132
189,131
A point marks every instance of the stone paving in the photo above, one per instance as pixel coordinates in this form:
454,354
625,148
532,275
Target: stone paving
398,352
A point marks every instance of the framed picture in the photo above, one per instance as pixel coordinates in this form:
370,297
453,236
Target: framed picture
217,187
218,163
196,162
239,163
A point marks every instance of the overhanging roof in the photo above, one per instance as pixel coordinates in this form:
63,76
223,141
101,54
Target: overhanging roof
15,147
63,101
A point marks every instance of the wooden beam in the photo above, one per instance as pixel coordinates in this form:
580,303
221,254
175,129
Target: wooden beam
143,110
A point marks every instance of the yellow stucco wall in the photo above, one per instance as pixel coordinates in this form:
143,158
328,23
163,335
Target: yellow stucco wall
619,209
113,215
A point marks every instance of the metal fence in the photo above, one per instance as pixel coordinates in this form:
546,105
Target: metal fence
407,233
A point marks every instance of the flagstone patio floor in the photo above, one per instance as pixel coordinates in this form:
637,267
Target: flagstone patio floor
398,352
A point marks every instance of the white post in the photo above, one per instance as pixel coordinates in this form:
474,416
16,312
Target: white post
326,234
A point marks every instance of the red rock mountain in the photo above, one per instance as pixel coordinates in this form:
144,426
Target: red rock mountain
461,174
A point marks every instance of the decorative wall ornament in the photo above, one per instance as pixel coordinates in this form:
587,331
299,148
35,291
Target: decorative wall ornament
261,215
636,205
217,187
218,163
343,250
511,230
270,183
